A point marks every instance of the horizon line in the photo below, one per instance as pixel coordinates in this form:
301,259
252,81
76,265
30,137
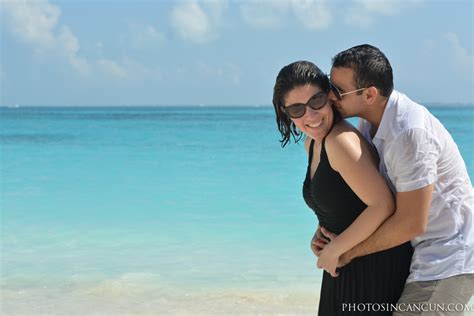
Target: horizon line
434,104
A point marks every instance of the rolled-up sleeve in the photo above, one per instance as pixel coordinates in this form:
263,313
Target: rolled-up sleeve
413,163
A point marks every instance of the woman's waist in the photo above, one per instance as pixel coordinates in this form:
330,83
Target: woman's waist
333,222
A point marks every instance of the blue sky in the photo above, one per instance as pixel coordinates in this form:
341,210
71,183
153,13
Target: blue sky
222,52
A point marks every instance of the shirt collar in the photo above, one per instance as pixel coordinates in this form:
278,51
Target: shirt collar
388,116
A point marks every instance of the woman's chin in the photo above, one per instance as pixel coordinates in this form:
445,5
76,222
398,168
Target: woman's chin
316,134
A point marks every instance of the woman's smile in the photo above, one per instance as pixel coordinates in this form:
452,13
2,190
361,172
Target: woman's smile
315,125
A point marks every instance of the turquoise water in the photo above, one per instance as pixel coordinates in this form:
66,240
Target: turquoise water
170,209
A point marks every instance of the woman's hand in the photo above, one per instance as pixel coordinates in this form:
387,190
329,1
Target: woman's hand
329,259
346,257
328,254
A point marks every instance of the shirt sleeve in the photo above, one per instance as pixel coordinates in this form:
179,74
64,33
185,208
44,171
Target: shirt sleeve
413,163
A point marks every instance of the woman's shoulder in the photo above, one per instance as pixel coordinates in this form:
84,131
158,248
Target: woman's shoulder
343,132
344,144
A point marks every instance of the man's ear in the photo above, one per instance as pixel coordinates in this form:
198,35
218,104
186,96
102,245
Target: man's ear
371,94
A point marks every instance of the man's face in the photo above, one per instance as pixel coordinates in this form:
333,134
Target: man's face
350,104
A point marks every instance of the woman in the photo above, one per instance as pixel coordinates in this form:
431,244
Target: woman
345,190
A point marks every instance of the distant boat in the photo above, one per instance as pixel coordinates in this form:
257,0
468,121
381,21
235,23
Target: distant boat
14,106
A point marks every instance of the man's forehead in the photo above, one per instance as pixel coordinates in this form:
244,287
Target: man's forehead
342,75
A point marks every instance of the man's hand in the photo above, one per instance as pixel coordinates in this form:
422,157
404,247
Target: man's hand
320,239
318,242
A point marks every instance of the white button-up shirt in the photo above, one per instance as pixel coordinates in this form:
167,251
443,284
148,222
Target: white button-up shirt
415,151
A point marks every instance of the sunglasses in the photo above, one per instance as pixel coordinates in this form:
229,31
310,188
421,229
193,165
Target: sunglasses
338,92
316,102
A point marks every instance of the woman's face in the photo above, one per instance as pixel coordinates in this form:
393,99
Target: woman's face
314,123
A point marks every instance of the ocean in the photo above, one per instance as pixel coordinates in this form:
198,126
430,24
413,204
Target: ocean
159,211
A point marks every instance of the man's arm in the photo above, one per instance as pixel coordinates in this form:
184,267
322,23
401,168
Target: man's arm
408,221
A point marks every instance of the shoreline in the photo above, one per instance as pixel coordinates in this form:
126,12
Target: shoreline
129,296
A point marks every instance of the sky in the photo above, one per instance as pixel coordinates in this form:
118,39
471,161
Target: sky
222,52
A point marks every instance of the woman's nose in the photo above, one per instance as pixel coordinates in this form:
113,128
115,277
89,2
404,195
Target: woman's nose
311,111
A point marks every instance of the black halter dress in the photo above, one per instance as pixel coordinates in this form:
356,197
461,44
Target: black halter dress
376,278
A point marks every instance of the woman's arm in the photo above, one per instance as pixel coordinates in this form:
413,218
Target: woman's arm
349,154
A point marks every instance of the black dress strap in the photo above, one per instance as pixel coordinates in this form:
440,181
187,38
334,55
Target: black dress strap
323,144
310,156
323,148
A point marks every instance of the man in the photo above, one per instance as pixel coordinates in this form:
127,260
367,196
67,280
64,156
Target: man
422,164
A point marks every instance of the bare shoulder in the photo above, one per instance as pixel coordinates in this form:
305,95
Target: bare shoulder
346,145
344,134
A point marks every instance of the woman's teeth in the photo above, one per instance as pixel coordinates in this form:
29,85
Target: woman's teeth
315,125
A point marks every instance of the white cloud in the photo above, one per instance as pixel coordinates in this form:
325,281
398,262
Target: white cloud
228,71
445,57
35,22
128,69
365,12
265,14
69,47
387,7
359,18
143,35
32,21
463,61
199,21
312,14
191,22
112,68
215,8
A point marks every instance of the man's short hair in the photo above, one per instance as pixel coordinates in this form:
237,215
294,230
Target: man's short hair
371,67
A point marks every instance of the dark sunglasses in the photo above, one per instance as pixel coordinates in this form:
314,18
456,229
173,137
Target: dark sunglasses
316,102
338,92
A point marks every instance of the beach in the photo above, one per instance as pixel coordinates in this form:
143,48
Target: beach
134,295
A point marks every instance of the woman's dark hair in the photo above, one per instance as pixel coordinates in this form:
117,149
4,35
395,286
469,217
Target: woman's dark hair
296,74
371,67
